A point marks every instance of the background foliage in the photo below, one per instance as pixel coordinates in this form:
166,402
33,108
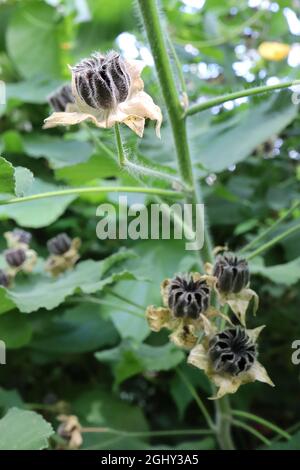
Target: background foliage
73,341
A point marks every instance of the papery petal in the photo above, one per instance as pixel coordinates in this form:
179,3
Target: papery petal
134,69
68,119
184,336
209,328
225,384
141,105
157,317
164,290
258,372
239,302
198,358
254,333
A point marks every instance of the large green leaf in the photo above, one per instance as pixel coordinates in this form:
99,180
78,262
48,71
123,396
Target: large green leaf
36,291
33,40
98,166
78,330
15,330
5,303
7,177
100,407
35,90
39,213
227,142
129,359
59,152
287,273
24,430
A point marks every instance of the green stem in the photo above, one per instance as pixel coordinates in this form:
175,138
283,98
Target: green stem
196,108
97,142
121,153
175,111
124,299
94,189
95,300
264,422
134,168
251,430
164,70
268,245
197,399
171,432
266,232
223,423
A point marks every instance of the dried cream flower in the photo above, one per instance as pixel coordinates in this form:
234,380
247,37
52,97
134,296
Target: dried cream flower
108,90
229,358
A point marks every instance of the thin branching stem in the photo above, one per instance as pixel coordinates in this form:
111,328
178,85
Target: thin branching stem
270,229
274,241
94,189
197,108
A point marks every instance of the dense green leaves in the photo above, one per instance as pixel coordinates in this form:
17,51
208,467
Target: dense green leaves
24,430
129,359
33,40
38,213
36,291
218,145
60,153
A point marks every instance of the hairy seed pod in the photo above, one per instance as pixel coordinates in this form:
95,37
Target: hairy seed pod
4,279
59,99
21,236
15,257
188,298
232,351
59,244
102,81
232,273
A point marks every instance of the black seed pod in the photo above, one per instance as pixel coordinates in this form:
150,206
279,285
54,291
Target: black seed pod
15,257
60,98
59,244
4,279
232,351
232,273
22,236
102,81
188,298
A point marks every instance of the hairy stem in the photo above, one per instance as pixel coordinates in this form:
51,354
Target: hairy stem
266,232
196,108
223,423
269,244
150,14
149,10
93,189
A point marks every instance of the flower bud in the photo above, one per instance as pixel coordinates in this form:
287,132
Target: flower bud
59,244
4,279
188,297
22,236
232,273
232,351
102,81
59,99
15,257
